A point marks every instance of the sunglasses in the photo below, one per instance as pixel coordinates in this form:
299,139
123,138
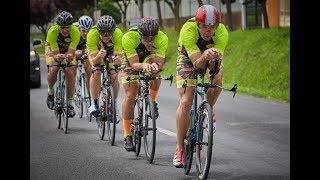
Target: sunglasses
65,27
148,38
106,34
207,27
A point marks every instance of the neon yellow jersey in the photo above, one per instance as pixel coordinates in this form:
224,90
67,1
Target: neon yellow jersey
93,39
131,43
58,42
191,40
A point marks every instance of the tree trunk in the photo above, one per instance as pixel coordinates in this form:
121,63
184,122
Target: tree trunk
200,3
264,13
177,18
159,14
229,14
140,5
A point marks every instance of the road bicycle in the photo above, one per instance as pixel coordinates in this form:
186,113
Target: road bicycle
61,110
200,133
144,121
107,111
82,95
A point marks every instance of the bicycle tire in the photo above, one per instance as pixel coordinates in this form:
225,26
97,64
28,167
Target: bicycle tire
110,113
149,117
101,118
135,128
206,125
57,101
188,150
82,94
65,110
77,93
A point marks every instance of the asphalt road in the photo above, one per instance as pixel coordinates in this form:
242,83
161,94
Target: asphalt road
252,142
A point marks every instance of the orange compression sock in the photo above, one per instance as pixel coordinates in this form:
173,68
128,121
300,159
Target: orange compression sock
126,127
153,94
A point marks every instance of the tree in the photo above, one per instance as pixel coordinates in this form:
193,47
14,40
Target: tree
200,3
264,13
140,6
107,7
41,13
159,14
175,7
123,10
229,12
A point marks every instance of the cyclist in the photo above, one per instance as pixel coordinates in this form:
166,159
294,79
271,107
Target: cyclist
202,38
84,23
62,40
144,48
107,34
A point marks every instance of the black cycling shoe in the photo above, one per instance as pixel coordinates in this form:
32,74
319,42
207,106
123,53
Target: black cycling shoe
71,112
156,113
50,101
128,143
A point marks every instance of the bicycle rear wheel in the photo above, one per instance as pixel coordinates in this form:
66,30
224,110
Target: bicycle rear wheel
136,126
204,141
65,110
149,128
110,113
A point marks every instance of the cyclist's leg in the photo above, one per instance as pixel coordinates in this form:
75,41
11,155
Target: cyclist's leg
88,70
51,78
184,72
95,88
131,90
213,93
71,73
116,88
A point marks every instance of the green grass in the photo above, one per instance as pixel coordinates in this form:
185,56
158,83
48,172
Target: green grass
257,60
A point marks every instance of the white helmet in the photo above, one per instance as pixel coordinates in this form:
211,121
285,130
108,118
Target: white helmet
85,23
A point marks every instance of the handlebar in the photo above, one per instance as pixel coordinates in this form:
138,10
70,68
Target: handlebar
148,77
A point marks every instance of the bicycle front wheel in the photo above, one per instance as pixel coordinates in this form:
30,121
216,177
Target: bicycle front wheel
204,141
65,110
77,93
57,107
136,126
149,128
110,111
188,148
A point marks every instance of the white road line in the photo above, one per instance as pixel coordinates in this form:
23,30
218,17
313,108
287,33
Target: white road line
167,132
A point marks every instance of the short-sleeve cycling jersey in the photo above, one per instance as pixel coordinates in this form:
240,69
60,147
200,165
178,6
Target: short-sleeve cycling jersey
58,42
82,42
114,46
133,46
192,42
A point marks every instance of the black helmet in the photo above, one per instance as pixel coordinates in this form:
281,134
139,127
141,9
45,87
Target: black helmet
106,24
64,19
148,27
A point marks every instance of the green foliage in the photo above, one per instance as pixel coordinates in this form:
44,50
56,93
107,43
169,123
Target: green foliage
259,62
107,7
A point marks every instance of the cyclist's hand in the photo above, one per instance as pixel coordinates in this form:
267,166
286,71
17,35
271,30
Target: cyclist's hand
102,53
78,53
146,68
154,67
116,60
59,57
69,57
208,54
217,53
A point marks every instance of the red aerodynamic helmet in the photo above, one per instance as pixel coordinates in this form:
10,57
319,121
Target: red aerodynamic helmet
208,15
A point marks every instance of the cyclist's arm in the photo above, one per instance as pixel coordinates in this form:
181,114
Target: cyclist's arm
161,44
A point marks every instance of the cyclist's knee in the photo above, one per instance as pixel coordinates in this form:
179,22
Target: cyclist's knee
186,102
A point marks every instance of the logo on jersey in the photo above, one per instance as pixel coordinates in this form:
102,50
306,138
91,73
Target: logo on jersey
209,46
